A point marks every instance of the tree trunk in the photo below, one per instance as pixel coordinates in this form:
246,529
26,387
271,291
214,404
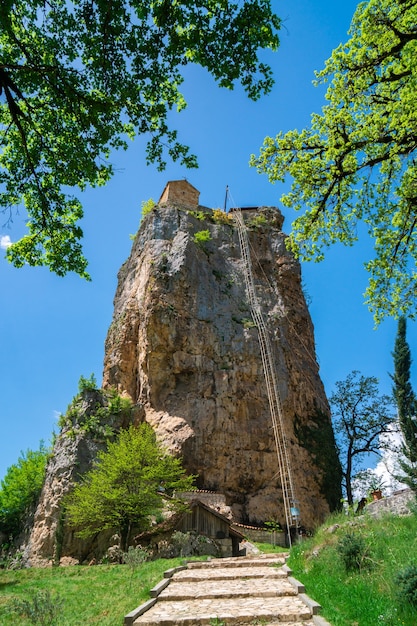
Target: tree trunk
349,494
125,531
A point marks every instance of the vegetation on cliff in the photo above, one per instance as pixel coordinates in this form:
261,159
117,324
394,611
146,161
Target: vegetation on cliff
95,411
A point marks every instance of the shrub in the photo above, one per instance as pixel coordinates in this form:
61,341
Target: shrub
87,384
147,206
135,556
259,221
43,608
182,541
353,551
199,215
247,323
119,404
10,558
220,217
201,237
406,582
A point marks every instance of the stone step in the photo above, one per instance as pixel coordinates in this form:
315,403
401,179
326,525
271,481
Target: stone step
232,595
220,573
234,611
238,587
238,561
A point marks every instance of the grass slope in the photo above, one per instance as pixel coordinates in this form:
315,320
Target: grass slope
100,594
367,595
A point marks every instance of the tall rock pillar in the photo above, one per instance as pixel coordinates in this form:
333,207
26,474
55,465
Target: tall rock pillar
182,343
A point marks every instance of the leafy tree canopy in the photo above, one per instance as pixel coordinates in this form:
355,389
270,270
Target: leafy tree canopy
20,488
79,78
360,416
357,160
125,486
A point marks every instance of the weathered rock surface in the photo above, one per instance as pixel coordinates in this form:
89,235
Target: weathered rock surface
182,344
50,541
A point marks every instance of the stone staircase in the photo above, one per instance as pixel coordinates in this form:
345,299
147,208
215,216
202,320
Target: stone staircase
241,590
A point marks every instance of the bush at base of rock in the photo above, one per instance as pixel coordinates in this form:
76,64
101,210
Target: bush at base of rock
183,545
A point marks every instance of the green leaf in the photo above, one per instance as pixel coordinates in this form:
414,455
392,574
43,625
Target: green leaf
80,79
357,160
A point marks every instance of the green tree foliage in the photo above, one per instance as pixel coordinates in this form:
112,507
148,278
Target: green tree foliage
406,404
20,489
126,486
360,417
357,161
81,77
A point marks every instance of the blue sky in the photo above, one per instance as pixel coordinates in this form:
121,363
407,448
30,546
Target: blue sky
52,330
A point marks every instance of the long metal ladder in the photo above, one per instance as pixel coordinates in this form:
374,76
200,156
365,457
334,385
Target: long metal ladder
284,467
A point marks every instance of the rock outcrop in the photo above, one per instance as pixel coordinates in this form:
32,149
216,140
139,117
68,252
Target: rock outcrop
182,344
89,423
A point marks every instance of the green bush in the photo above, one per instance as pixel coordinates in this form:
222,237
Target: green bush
147,206
247,323
259,221
100,422
406,582
119,404
42,608
220,217
201,237
199,215
353,551
87,384
182,541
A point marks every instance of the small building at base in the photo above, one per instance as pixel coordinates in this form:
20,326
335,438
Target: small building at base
205,521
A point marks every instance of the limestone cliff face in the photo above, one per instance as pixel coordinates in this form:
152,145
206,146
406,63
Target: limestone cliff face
182,344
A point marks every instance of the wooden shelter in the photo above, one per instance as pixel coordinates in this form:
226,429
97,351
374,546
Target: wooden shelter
204,520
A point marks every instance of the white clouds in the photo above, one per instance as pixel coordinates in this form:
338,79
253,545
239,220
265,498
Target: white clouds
388,468
5,242
385,473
